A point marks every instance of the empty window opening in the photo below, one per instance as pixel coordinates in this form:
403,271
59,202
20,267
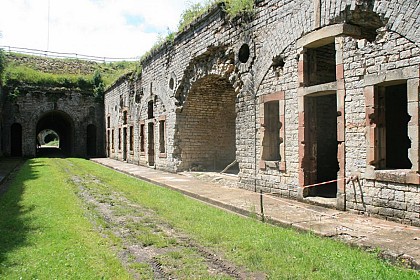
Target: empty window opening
151,143
125,117
150,113
108,122
112,140
124,138
142,138
271,138
121,101
244,53
321,146
171,83
119,139
131,138
320,65
162,137
393,142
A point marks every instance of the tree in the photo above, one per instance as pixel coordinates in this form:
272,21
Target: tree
98,86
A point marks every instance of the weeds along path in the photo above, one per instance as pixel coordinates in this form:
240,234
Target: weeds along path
147,246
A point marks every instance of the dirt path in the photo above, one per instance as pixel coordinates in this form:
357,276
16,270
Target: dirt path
147,246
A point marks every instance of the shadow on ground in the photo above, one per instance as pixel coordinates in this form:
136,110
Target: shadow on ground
50,152
15,222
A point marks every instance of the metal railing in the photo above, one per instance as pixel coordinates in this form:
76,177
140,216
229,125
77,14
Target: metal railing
52,54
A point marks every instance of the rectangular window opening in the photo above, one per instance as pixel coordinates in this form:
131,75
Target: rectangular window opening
142,138
271,140
108,122
150,113
131,138
392,140
125,117
112,139
320,65
119,139
162,137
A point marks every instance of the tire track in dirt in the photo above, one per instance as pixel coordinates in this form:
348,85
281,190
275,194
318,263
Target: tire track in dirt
119,215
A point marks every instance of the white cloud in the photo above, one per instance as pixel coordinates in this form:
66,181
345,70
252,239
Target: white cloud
110,28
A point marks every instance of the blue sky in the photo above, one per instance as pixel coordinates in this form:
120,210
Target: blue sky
106,28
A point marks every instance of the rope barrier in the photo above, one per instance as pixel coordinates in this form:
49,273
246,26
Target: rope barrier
323,183
269,195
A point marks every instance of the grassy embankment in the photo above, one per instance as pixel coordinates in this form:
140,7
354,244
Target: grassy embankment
44,232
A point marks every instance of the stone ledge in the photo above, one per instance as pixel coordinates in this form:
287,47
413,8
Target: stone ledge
401,176
326,35
321,89
392,76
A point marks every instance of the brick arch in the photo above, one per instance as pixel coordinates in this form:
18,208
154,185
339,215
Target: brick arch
288,30
215,61
61,123
206,125
397,16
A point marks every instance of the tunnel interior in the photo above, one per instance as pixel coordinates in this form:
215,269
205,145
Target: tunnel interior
62,125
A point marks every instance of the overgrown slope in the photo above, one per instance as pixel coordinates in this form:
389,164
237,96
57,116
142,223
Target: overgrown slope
23,70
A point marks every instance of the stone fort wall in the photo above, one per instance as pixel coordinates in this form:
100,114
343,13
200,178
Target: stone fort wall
68,112
297,95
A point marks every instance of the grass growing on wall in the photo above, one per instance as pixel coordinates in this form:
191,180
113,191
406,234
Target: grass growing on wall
233,8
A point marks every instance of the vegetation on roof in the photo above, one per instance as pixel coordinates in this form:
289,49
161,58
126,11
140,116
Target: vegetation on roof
21,70
234,9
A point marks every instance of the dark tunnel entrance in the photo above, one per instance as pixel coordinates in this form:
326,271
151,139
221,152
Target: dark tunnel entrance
63,126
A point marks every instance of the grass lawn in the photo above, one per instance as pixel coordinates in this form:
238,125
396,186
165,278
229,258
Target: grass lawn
45,232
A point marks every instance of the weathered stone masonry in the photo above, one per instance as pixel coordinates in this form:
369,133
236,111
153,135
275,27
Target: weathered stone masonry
301,93
76,117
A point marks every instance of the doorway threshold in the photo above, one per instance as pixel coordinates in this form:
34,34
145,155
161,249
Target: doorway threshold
328,202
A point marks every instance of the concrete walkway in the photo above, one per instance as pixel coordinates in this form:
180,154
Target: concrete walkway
398,242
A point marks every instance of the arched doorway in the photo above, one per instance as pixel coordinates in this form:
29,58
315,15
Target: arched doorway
91,140
62,125
16,140
207,125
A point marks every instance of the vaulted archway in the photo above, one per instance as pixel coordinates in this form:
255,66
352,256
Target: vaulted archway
207,125
62,124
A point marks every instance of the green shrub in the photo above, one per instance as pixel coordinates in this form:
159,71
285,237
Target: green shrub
233,8
98,85
239,7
